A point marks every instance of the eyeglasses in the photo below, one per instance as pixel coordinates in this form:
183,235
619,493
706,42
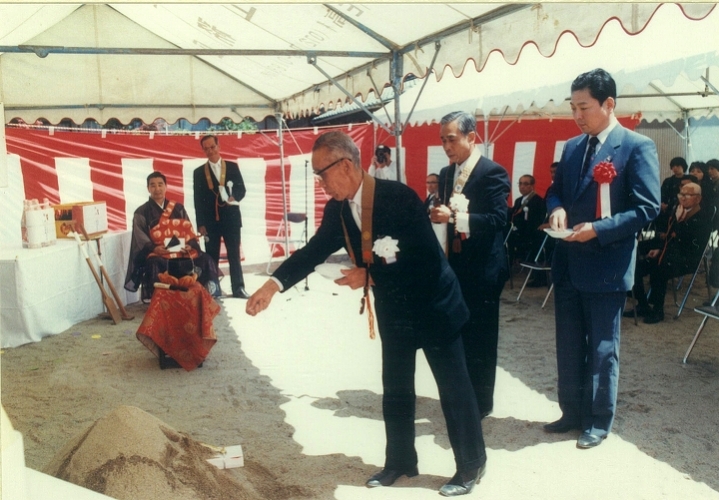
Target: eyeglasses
684,195
521,183
318,173
432,182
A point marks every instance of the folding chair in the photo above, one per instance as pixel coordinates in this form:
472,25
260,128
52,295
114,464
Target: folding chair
285,233
506,251
709,311
537,265
703,260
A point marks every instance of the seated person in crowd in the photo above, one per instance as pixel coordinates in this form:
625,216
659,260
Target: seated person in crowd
527,214
699,170
675,252
662,220
713,173
671,185
153,225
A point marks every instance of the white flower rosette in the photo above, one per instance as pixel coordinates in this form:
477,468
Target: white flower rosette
459,203
387,249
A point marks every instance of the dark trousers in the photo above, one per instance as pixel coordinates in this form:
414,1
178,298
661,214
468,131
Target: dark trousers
232,238
464,427
480,336
659,275
588,332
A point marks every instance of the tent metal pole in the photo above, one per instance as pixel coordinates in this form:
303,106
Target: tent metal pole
281,143
687,140
313,62
396,76
437,46
486,136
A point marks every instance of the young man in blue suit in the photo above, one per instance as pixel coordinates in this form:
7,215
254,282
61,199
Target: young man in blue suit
384,227
605,190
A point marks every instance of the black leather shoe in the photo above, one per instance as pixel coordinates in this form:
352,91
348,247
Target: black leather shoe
462,484
241,294
560,427
654,317
589,440
387,477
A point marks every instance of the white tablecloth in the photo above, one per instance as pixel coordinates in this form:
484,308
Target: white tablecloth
45,291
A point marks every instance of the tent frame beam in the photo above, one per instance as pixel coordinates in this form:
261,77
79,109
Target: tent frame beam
43,51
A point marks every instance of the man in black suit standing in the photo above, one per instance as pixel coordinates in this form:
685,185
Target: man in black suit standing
384,227
218,189
474,190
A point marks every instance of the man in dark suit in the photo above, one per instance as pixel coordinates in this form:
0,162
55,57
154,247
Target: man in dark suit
674,252
218,189
605,190
385,229
474,190
432,198
526,216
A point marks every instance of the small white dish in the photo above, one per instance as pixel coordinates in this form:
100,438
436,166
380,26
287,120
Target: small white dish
559,234
331,271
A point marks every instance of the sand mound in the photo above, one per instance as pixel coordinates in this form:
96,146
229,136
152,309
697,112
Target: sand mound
129,454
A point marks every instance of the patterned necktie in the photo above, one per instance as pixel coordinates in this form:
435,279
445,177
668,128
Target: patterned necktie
593,141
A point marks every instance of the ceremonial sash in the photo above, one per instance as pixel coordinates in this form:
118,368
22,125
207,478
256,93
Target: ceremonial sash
366,241
456,238
211,185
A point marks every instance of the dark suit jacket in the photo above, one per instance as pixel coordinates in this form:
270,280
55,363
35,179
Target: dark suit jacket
482,262
605,263
419,288
536,213
685,242
205,197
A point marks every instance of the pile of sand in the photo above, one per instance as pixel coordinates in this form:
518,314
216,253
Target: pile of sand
129,454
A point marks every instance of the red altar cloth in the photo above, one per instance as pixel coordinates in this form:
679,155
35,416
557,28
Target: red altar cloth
180,323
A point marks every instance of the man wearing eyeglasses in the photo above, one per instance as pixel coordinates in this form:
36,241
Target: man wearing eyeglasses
526,215
218,189
673,253
384,227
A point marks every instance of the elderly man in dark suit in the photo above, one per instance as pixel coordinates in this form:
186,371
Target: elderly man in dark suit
218,189
384,227
674,252
605,190
474,190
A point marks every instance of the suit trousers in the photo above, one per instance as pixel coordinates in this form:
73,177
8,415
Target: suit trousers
231,235
464,427
588,332
480,336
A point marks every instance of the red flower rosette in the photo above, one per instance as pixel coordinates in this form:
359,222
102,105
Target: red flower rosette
604,172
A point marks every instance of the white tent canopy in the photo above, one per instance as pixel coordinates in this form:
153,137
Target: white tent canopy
214,60
668,71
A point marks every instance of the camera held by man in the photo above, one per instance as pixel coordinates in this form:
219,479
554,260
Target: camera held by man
381,161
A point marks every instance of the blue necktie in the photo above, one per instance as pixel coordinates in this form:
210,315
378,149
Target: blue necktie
593,141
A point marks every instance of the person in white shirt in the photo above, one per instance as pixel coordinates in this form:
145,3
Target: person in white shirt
381,164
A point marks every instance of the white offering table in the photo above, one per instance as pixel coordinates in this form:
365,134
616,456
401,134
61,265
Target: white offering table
45,291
